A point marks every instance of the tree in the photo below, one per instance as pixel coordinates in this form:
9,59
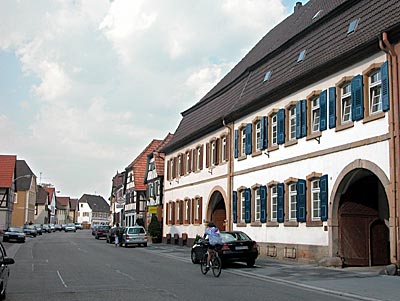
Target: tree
155,229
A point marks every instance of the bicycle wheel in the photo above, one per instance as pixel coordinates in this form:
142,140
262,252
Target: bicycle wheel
203,264
216,266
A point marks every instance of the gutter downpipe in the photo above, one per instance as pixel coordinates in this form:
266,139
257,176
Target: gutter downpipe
389,49
229,221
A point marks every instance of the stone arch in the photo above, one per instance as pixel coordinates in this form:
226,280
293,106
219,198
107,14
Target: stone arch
216,207
343,181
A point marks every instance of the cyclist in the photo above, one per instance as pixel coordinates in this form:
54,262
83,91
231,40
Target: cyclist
214,239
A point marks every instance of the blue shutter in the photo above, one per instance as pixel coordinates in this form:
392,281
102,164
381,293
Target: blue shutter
357,105
303,118
301,201
263,198
332,107
248,138
322,110
236,150
385,86
234,206
281,191
264,132
323,195
247,203
281,126
298,120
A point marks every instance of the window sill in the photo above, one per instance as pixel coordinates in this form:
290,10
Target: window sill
313,135
291,224
272,148
272,224
373,117
241,224
345,126
257,153
314,224
256,224
290,142
243,157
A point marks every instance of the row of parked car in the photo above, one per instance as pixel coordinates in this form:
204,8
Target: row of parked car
16,233
134,235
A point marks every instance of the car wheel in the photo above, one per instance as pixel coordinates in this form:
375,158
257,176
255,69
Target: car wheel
193,257
250,263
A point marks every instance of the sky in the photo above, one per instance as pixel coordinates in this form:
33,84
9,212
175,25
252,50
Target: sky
85,85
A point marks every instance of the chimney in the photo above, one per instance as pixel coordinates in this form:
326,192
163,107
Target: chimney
297,6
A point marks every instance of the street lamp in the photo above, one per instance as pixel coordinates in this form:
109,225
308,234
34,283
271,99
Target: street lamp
20,177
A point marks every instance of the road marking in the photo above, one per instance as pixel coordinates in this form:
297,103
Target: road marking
62,280
126,275
33,269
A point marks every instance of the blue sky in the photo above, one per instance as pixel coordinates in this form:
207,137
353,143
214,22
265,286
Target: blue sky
86,85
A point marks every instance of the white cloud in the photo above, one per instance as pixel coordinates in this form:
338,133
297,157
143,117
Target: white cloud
110,77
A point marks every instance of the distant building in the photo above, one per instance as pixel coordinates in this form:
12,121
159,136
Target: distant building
52,203
42,213
117,200
73,210
62,206
98,211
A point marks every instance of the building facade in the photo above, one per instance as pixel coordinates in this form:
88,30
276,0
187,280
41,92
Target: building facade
96,207
42,213
7,189
297,146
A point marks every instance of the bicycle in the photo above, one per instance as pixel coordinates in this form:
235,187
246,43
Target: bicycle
215,262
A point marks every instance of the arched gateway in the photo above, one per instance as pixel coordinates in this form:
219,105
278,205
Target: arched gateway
216,210
360,216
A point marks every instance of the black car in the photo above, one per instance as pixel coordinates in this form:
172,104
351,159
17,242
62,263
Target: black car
237,247
30,230
111,234
4,271
14,233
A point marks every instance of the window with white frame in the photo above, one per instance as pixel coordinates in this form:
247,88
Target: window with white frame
243,205
292,123
346,103
257,126
178,211
212,152
315,114
274,203
223,149
293,202
243,142
171,213
315,200
179,165
187,165
257,204
274,129
151,190
173,168
198,158
187,210
375,94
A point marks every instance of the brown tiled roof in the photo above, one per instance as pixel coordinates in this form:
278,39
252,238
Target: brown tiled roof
118,180
42,196
139,164
7,170
51,191
62,202
73,204
159,156
96,202
328,48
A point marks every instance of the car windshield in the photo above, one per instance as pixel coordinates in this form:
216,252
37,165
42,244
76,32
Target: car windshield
15,229
104,228
70,225
30,227
135,231
233,236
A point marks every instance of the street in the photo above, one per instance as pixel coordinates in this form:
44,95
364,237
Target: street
75,266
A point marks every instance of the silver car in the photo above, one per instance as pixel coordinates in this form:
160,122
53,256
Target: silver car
70,227
135,235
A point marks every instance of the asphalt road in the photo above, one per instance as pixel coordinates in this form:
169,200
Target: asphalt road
75,266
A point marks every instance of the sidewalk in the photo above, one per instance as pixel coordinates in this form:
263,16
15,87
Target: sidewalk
361,283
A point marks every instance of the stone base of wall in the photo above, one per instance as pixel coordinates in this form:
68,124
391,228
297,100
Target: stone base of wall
308,254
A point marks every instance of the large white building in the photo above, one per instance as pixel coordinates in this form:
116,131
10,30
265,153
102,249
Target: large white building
298,145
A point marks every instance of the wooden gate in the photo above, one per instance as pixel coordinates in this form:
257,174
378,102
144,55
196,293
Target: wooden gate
218,218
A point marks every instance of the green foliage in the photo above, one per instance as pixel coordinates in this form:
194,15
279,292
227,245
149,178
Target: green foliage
155,228
140,222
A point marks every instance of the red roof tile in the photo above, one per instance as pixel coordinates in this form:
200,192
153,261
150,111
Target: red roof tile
159,157
62,202
7,170
139,164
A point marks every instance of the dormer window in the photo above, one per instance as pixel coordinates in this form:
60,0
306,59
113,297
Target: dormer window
302,56
353,26
267,76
